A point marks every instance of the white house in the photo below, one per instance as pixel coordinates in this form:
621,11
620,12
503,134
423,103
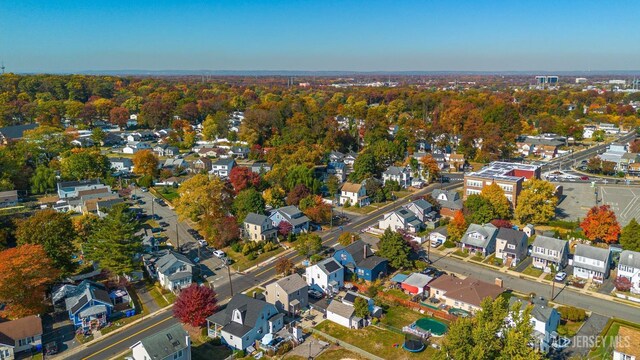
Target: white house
544,319
590,262
326,276
401,219
548,252
244,321
173,270
480,239
74,189
134,147
172,343
121,164
629,267
401,175
222,167
20,335
353,194
438,236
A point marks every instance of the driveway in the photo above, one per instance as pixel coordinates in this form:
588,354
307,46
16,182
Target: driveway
607,286
524,264
585,339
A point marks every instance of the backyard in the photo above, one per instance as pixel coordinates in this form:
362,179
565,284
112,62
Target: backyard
399,316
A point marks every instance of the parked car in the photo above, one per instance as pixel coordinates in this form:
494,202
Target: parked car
156,217
51,348
435,244
156,230
584,178
140,202
144,189
315,294
202,242
560,276
219,254
163,224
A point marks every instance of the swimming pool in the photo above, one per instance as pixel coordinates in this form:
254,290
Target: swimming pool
435,327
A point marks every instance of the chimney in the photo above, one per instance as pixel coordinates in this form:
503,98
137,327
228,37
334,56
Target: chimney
498,282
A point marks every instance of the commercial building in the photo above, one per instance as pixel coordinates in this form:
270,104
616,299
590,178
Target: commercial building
509,176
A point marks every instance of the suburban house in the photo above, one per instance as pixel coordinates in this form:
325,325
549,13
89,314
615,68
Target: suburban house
358,259
134,147
547,251
544,319
207,152
121,164
337,169
8,198
16,132
511,246
353,194
336,156
260,167
344,314
438,236
20,335
103,206
626,346
629,267
326,276
401,219
466,294
480,239
173,270
201,164
289,294
449,201
457,161
240,152
244,321
172,344
422,209
259,227
401,175
590,262
165,150
290,214
416,283
350,299
70,189
89,305
222,167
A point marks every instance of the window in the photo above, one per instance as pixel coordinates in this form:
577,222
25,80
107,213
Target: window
511,246
474,183
473,192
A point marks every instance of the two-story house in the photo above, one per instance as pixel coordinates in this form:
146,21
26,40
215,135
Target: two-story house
244,321
449,201
258,227
511,246
544,320
353,194
289,294
121,164
20,335
290,214
480,239
72,189
337,169
548,253
202,164
358,259
401,175
172,343
401,219
173,270
134,147
88,305
222,167
629,267
326,276
166,150
240,152
590,262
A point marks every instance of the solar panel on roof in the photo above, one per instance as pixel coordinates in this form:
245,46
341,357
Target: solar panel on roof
331,266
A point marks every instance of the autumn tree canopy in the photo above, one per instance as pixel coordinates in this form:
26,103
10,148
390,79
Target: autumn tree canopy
145,163
195,304
601,224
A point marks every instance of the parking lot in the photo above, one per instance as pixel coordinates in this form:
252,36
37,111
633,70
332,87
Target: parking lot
624,200
577,199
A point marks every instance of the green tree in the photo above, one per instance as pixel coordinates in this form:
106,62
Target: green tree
114,243
518,337
393,247
82,164
630,237
248,200
363,167
43,180
361,308
54,231
478,209
308,244
97,135
347,238
274,197
499,202
203,198
333,186
536,203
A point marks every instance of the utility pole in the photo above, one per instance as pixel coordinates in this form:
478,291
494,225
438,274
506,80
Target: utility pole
177,237
553,289
226,262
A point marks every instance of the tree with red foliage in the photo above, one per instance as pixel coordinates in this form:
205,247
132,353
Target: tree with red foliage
601,224
195,304
222,231
242,177
284,228
119,116
316,209
623,284
500,223
298,193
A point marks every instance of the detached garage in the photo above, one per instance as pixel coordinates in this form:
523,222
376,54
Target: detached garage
416,283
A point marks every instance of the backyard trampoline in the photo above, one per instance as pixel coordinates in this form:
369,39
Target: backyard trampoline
413,343
433,326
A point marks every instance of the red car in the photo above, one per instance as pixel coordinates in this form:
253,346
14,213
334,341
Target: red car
584,178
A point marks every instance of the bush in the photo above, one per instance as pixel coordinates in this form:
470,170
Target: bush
449,244
623,284
563,224
239,354
571,313
252,256
374,321
236,246
315,258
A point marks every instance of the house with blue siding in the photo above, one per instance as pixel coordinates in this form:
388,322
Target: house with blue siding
89,305
358,259
292,215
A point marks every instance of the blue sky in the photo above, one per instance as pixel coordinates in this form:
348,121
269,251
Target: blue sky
564,35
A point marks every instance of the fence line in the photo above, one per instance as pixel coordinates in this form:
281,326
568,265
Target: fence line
346,345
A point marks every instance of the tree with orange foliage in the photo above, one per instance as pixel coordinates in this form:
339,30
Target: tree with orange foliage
241,177
601,225
430,168
25,273
457,226
145,163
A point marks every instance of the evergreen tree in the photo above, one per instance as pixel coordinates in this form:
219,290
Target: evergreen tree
630,238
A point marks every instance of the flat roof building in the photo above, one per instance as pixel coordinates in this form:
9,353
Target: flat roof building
509,176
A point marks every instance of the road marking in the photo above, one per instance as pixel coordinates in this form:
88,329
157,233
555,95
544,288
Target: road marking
127,338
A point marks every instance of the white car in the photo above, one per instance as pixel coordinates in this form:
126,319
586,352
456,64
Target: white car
560,276
202,243
219,254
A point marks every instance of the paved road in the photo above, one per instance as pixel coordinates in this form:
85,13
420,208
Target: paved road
120,342
563,296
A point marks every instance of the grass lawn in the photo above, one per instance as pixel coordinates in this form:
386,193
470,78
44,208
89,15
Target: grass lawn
255,290
169,193
399,316
120,323
83,339
399,294
530,270
402,193
157,296
478,258
241,262
549,277
461,253
375,340
569,328
339,354
363,210
208,351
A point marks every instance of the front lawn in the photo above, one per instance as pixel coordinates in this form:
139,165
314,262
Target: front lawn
549,277
158,297
169,193
461,253
569,328
604,348
383,343
242,262
530,270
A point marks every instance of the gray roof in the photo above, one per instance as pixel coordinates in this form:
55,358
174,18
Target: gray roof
236,329
421,204
224,162
630,258
395,170
85,292
549,243
356,249
16,131
250,307
592,252
293,215
292,283
166,258
511,236
179,275
255,219
166,342
442,230
418,280
453,199
341,309
329,265
539,312
488,231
